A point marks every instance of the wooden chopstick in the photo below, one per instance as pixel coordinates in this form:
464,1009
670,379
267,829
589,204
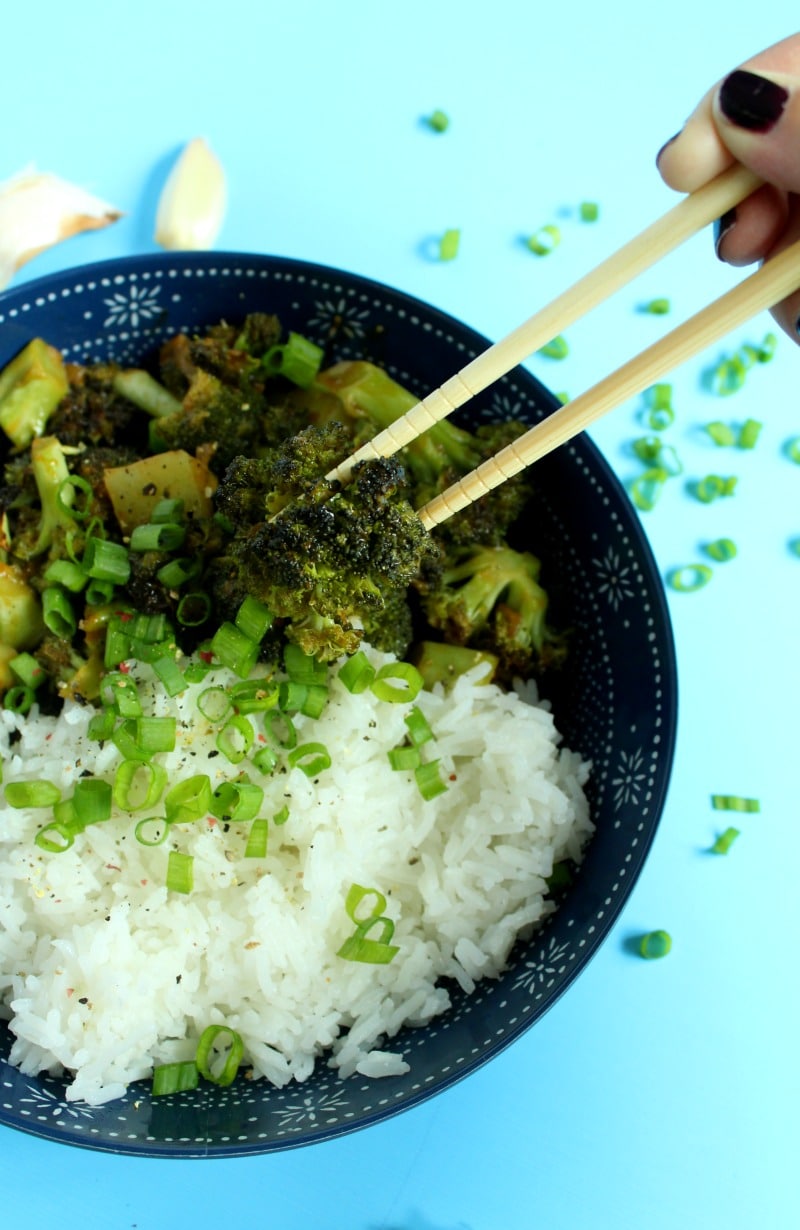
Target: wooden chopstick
779,277
685,219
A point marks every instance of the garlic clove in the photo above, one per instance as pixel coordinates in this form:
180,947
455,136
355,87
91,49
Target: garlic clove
193,201
38,210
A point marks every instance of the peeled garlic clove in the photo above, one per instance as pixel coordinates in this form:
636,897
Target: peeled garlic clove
38,210
192,204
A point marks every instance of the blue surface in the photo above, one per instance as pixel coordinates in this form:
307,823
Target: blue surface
658,1094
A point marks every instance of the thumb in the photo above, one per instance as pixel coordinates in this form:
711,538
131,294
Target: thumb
757,116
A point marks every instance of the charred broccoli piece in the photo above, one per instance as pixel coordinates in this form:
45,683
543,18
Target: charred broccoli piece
368,397
327,562
213,414
489,598
93,412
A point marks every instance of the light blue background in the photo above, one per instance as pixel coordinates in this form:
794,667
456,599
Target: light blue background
657,1095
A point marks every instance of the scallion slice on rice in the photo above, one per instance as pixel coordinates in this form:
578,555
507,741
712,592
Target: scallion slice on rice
175,1078
40,793
220,1069
180,872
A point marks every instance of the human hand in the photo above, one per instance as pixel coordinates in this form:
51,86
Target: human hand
752,116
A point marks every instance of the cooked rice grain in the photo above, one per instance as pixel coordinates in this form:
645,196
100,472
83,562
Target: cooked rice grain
105,974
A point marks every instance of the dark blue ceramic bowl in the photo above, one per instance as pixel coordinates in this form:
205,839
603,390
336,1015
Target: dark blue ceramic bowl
615,702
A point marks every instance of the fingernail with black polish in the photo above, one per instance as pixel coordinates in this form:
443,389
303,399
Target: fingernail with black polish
752,102
664,146
721,228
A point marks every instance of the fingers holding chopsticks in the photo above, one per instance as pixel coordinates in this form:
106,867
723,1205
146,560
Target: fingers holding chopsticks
752,116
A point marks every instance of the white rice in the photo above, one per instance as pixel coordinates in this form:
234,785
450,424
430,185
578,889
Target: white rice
104,973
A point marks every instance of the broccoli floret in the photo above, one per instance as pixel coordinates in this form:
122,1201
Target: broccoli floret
213,414
327,562
374,401
93,412
44,531
490,598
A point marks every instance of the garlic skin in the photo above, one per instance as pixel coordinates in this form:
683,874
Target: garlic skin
39,209
192,205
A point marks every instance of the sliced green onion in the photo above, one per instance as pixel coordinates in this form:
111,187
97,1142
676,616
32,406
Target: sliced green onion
237,801
253,695
397,682
226,1074
545,240
40,793
449,244
119,692
67,573
429,780
713,487
167,512
656,307
91,801
265,760
721,549
725,840
106,561
357,673
721,433
143,737
655,944
309,699
257,839
438,121
689,578
215,703
19,698
589,211
749,433
358,947
65,497
101,725
734,802
152,831
298,359
55,837
253,618
197,670
138,784
118,644
57,612
280,728
419,729
556,348
311,758
180,872
792,449
164,537
356,895
303,667
189,800
193,609
234,649
236,738
98,593
174,1078
728,376
646,488
403,759
149,629
177,572
281,816
28,670
170,674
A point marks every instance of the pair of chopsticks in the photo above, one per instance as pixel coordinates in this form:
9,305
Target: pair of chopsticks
773,282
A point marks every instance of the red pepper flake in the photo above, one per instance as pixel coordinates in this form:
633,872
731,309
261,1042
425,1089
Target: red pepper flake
70,991
143,883
453,777
112,867
124,668
124,616
211,821
206,655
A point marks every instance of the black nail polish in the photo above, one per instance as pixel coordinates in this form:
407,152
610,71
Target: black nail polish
664,146
722,226
752,102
